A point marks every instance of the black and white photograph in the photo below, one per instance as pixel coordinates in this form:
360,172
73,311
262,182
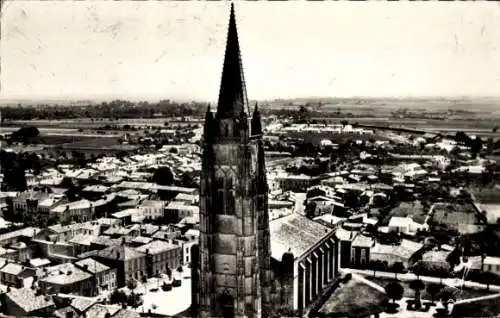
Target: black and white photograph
249,159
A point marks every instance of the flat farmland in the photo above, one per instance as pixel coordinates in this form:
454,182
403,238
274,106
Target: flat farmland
479,127
87,123
111,143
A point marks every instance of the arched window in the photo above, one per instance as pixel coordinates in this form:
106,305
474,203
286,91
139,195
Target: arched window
224,198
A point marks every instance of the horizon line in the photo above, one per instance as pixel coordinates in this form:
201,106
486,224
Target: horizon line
272,99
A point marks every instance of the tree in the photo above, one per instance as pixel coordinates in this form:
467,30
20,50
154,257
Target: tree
134,300
24,134
418,269
433,289
163,176
462,137
394,291
314,192
118,297
377,265
310,210
187,180
447,295
476,145
417,285
303,113
398,267
131,284
13,168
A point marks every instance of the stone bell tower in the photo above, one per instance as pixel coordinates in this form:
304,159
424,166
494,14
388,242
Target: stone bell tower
233,274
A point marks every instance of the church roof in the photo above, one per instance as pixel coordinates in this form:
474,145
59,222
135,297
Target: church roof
232,94
297,233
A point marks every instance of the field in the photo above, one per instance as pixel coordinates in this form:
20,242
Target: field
481,127
86,123
454,214
476,116
110,143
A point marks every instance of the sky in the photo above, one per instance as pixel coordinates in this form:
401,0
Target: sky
162,49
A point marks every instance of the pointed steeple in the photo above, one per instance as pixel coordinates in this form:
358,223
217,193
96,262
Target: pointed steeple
256,123
208,131
232,94
261,168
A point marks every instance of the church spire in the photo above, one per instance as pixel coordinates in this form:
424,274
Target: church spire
208,127
256,124
232,94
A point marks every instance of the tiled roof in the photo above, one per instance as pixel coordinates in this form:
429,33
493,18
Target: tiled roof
153,203
100,311
124,313
149,229
491,260
77,205
83,239
182,206
405,250
12,268
118,230
163,235
297,233
344,235
186,197
82,304
156,247
105,241
107,221
65,274
92,265
28,232
27,300
120,252
362,241
141,239
39,262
